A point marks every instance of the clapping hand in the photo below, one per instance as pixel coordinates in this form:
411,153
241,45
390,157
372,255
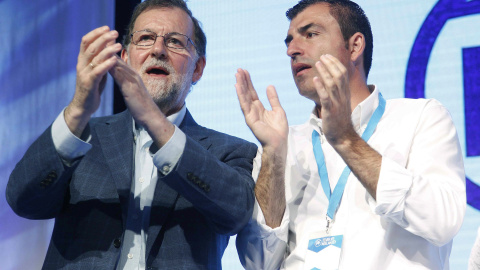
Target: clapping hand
269,127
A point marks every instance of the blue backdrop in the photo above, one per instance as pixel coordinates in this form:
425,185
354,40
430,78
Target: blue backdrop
428,48
39,43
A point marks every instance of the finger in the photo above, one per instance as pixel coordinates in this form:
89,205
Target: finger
241,81
126,77
333,65
90,76
101,69
335,76
319,81
87,40
336,68
111,43
131,85
240,84
250,87
242,92
120,70
325,75
105,54
91,36
327,86
100,44
95,47
273,98
323,94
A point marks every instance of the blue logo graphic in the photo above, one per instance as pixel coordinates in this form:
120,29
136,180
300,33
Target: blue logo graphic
443,11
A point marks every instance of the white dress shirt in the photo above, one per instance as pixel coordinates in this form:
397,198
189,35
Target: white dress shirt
147,165
420,202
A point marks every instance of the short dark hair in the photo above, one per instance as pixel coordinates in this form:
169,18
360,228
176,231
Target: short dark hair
199,38
351,18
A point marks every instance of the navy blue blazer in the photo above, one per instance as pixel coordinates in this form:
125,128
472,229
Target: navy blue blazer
196,207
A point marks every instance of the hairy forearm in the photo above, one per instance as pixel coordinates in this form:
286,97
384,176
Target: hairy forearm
270,187
363,160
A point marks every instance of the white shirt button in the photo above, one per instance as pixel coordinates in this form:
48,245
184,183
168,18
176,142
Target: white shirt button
141,179
130,255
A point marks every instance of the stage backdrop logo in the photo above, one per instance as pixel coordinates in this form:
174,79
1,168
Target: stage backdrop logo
441,13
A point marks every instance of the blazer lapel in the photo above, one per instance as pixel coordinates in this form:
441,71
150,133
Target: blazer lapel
195,131
116,140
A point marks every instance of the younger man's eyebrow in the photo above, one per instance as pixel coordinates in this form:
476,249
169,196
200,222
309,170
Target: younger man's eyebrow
300,30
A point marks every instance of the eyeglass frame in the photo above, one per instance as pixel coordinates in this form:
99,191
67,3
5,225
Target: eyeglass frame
164,42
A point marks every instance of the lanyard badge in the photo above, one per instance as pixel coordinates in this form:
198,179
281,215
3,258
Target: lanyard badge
324,248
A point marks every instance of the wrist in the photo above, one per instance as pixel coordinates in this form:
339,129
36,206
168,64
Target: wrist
348,145
76,119
160,129
277,152
343,139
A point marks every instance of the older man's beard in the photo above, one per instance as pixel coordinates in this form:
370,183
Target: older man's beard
166,93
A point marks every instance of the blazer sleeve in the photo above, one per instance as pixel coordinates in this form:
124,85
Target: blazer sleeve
38,184
215,176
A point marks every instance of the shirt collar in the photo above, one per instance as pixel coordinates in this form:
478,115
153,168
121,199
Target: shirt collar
360,115
177,117
364,110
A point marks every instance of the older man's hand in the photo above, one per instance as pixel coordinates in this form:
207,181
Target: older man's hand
97,55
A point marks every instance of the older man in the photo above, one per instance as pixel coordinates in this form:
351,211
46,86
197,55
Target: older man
365,183
147,188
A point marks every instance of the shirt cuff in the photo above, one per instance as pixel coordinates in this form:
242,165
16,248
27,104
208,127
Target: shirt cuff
168,156
265,231
394,183
68,146
258,219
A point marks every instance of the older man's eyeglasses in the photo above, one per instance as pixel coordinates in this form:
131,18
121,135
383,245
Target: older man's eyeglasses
173,40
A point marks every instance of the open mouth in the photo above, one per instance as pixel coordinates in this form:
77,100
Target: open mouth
298,68
157,71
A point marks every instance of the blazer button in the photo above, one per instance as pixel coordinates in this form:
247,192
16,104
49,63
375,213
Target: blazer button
117,243
52,174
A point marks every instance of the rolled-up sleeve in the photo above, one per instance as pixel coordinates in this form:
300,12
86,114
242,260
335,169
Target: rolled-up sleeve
258,245
427,196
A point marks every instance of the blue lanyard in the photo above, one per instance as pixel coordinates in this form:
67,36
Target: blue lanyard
335,197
